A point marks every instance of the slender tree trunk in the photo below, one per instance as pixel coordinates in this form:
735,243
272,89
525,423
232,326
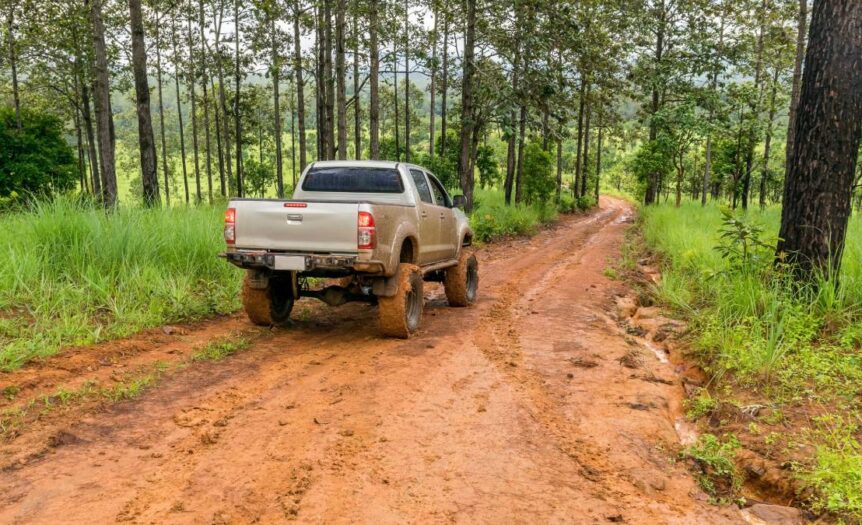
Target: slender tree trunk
374,73
513,135
206,103
79,140
586,173
755,107
801,34
102,96
397,121
180,109
599,162
193,97
292,109
276,106
164,144
406,81
341,74
91,141
329,78
218,138
300,88
582,98
764,173
13,63
357,108
320,92
519,165
559,192
444,81
652,190
707,168
465,165
224,128
433,111
237,89
820,180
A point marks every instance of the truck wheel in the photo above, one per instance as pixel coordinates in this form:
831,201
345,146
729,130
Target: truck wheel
401,314
462,281
267,306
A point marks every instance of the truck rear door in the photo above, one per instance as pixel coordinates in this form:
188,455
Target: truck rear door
325,227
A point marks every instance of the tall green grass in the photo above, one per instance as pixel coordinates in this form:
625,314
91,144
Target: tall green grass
756,332
492,218
72,274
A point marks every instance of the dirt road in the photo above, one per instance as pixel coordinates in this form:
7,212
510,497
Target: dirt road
516,410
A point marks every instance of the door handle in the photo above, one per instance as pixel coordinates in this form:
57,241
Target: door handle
424,214
442,217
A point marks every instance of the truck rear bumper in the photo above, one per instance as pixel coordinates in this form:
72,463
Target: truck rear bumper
300,262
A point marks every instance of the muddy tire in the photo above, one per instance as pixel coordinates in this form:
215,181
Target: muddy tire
268,306
462,281
401,314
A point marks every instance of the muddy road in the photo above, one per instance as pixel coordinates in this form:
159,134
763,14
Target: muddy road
524,408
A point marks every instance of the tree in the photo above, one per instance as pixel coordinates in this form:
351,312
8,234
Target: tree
820,178
104,118
465,164
146,139
36,159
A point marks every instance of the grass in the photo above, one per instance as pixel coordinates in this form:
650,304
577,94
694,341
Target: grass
715,458
493,219
759,337
71,274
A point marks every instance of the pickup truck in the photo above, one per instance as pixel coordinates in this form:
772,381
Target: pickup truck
380,229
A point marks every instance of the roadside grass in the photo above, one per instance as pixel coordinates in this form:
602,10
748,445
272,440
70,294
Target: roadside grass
758,337
493,219
72,274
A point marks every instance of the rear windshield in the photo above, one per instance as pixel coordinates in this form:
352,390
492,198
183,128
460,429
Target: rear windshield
354,180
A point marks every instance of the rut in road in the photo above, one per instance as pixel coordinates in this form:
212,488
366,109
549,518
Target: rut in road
517,409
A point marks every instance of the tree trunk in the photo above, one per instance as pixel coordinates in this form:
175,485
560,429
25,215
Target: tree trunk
433,111
829,121
513,134
237,77
465,166
406,81
357,112
292,110
192,96
397,121
707,168
179,108
801,33
300,89
374,73
329,79
754,107
164,147
13,63
276,107
206,104
102,97
224,128
341,74
599,162
559,193
651,195
91,141
585,175
582,102
444,81
764,174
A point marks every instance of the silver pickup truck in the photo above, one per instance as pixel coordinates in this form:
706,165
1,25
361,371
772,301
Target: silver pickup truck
380,228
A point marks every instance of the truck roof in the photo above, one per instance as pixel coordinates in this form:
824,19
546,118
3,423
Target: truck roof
356,164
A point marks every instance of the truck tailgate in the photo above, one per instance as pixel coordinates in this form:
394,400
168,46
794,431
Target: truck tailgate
327,227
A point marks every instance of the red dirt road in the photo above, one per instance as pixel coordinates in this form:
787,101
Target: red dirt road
515,410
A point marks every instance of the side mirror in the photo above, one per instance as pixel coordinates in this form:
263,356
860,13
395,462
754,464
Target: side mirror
459,201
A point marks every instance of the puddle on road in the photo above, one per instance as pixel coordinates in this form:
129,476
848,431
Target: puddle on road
685,431
659,353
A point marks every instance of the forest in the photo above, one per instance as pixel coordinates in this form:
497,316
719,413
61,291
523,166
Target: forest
731,127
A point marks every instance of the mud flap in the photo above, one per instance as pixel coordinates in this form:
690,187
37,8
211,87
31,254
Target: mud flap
386,287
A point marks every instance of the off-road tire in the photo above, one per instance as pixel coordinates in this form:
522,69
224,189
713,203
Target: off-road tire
462,281
401,314
268,306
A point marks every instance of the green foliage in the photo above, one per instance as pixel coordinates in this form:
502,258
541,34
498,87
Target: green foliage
221,348
539,182
74,275
651,157
837,471
718,476
257,177
741,243
36,159
492,218
486,163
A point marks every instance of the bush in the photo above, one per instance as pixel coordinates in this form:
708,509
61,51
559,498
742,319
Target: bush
539,182
492,218
34,160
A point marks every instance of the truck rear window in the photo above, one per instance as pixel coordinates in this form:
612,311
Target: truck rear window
354,180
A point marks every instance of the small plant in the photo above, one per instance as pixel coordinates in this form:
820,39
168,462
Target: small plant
714,459
741,243
702,405
219,349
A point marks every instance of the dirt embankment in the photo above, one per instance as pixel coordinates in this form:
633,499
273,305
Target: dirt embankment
532,406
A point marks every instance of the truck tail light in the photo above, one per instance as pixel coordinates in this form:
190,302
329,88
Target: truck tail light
366,231
230,226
